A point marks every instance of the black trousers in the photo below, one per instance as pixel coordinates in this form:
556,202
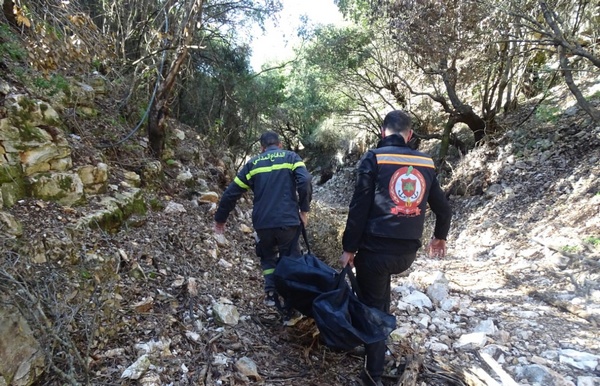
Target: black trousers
272,244
373,274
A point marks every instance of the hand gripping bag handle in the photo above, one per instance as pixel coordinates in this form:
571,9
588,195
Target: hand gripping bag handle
347,271
305,236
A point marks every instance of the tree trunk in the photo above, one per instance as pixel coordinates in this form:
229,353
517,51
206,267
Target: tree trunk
506,57
8,9
157,128
445,143
398,96
466,115
462,112
458,144
560,40
568,75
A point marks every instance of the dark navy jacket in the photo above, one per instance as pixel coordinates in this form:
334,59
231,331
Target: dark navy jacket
281,185
393,187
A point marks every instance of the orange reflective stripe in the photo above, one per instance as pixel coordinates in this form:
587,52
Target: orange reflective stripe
405,159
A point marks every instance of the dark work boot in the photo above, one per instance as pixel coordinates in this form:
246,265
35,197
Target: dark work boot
291,317
375,362
272,300
366,380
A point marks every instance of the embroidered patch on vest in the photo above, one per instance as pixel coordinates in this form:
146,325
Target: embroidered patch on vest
407,188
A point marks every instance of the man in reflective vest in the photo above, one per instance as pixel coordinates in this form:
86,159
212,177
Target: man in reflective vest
386,219
282,194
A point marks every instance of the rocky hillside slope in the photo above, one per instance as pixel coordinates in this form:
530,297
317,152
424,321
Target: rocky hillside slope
147,295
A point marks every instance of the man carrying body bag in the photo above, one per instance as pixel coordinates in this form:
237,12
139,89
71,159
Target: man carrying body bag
282,194
386,220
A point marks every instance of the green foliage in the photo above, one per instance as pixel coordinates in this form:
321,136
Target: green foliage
222,99
357,10
340,50
97,64
20,74
594,240
53,85
9,45
156,205
10,173
547,113
570,248
327,146
141,111
137,206
539,59
231,106
595,95
65,183
13,50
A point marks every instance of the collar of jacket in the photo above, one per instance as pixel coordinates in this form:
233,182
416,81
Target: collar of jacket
271,147
392,140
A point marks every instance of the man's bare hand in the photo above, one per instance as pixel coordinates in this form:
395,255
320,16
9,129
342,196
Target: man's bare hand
304,218
347,258
436,248
219,228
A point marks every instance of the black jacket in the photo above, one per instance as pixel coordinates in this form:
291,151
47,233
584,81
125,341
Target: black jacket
393,187
281,185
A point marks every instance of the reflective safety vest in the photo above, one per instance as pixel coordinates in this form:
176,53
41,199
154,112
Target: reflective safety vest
394,185
281,185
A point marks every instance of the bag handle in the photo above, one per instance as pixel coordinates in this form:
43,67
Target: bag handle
305,236
347,271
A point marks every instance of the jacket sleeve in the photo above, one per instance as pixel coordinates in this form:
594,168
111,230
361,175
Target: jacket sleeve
303,184
230,196
443,212
360,206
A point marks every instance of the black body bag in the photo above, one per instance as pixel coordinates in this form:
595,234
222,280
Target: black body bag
344,322
300,279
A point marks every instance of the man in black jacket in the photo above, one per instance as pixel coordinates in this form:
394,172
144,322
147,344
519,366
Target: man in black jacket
282,195
386,219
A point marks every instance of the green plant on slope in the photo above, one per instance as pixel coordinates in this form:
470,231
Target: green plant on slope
570,248
9,46
546,113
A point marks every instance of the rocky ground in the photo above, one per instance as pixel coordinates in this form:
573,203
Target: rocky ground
524,255
164,302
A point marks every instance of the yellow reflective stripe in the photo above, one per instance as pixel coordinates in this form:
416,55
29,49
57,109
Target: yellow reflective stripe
267,169
404,159
268,271
240,183
298,165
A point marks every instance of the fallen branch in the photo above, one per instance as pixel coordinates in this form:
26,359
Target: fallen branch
567,306
411,371
495,366
458,376
550,300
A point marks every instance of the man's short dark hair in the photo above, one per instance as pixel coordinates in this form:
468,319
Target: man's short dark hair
269,138
397,121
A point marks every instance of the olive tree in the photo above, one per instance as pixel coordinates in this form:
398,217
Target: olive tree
564,31
154,38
